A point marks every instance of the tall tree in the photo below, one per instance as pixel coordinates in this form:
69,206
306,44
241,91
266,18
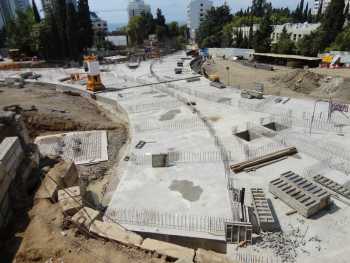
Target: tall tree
284,44
210,30
259,8
262,38
72,32
333,22
86,34
160,19
36,12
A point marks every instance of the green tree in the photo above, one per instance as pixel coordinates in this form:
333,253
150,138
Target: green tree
284,44
310,45
19,32
36,12
259,7
86,34
136,30
210,30
173,29
342,42
262,38
72,32
160,19
333,22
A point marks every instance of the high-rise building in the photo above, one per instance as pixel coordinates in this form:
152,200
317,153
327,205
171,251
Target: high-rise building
136,7
8,9
196,11
324,4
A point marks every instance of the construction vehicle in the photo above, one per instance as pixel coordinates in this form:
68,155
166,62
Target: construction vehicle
252,94
214,78
15,54
92,68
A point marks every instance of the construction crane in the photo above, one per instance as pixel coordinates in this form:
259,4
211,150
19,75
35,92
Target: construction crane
92,68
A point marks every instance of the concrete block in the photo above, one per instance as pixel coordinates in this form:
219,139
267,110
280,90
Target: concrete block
68,193
11,155
85,217
207,256
300,194
71,206
114,232
168,249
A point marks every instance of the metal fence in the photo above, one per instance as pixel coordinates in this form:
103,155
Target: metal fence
153,218
153,106
193,123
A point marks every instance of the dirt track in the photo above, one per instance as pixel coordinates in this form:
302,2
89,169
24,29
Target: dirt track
283,81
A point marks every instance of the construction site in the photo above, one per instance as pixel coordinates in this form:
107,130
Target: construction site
174,159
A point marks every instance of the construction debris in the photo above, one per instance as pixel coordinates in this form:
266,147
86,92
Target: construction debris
171,250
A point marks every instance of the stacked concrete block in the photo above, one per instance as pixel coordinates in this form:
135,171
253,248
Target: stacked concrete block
263,211
304,196
70,200
11,156
330,184
159,160
239,232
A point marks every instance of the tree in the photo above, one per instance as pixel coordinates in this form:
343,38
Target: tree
173,29
259,8
262,37
284,44
342,42
19,32
86,33
136,30
310,45
210,30
72,32
332,23
160,19
36,12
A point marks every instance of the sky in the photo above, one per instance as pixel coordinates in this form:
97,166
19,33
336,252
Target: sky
114,11
174,10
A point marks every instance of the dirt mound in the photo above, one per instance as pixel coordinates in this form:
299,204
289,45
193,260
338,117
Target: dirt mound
301,81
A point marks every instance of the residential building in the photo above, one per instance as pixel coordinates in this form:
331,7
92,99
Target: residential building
325,4
196,11
137,7
296,31
8,9
98,25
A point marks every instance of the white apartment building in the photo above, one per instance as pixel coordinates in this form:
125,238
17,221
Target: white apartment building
325,4
8,9
196,11
136,7
296,31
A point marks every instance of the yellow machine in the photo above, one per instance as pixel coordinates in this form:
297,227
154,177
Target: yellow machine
92,67
214,78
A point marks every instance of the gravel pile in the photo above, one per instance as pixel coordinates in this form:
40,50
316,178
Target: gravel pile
286,245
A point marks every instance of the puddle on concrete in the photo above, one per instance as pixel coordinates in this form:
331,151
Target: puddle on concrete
169,115
186,189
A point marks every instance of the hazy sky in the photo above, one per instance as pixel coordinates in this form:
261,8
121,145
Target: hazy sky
174,10
114,11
